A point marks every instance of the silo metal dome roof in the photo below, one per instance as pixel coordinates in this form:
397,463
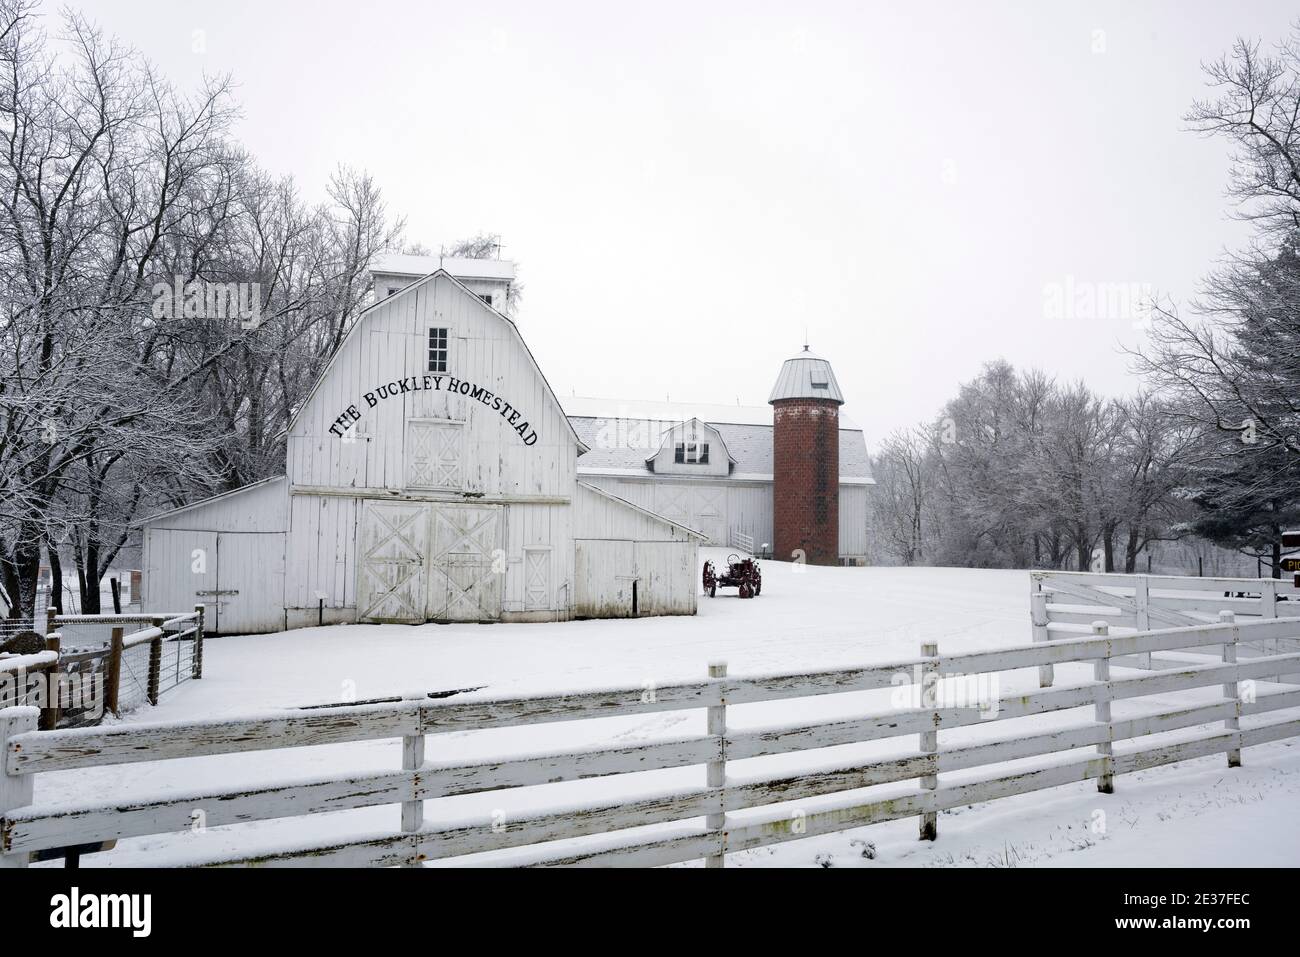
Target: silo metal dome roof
806,376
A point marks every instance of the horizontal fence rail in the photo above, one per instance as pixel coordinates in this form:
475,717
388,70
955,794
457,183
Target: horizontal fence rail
730,809
1065,604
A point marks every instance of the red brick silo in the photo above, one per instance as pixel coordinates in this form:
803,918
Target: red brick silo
806,404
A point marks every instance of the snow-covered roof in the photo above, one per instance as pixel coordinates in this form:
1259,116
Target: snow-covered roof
673,413
619,446
401,264
806,376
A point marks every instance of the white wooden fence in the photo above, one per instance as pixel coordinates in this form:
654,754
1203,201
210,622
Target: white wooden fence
1065,604
696,822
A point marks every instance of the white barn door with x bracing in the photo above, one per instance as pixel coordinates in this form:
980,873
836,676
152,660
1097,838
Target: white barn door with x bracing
394,554
464,576
423,562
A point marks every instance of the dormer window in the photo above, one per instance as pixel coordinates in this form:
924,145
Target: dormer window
438,349
691,453
821,385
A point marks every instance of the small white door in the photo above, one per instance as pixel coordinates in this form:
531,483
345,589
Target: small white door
250,579
537,579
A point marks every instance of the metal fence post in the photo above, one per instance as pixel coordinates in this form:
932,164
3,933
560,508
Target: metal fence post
1231,689
716,771
930,739
1101,674
15,789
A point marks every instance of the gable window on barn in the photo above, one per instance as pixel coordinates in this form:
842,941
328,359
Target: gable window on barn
438,349
691,453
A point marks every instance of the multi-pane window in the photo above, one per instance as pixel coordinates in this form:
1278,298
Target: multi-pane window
438,349
691,453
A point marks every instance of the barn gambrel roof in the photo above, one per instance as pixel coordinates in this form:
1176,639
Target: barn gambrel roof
406,291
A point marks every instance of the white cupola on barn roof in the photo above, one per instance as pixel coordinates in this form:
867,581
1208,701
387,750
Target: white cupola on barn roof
806,376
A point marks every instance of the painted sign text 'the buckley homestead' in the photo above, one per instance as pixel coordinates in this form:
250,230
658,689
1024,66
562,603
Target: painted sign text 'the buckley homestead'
435,383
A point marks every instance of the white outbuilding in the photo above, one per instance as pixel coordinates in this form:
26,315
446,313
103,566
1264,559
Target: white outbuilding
431,475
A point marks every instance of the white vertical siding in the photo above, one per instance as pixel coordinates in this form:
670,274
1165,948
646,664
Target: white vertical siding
391,346
853,521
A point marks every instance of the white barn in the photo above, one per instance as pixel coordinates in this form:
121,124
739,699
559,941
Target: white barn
431,475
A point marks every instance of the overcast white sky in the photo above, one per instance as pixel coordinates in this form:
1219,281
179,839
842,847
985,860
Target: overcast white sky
688,186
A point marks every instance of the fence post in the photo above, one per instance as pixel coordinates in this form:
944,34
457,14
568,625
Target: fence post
1101,673
1038,616
113,673
1268,609
1142,596
50,714
198,644
50,613
1231,689
930,739
716,771
155,663
413,760
15,789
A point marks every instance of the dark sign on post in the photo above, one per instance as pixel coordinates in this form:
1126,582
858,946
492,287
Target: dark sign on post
1291,539
1291,564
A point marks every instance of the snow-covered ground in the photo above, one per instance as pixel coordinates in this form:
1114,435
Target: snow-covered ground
1196,813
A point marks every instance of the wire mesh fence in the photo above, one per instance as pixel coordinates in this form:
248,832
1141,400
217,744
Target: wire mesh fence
97,673
175,667
12,626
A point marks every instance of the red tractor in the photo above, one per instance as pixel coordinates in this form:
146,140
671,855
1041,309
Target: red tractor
741,573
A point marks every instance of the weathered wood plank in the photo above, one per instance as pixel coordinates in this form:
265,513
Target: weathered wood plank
795,824
652,852
796,787
1140,760
807,684
1157,582
449,714
1272,701
500,831
35,828
127,743
370,852
1276,731
1008,785
446,780
825,734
